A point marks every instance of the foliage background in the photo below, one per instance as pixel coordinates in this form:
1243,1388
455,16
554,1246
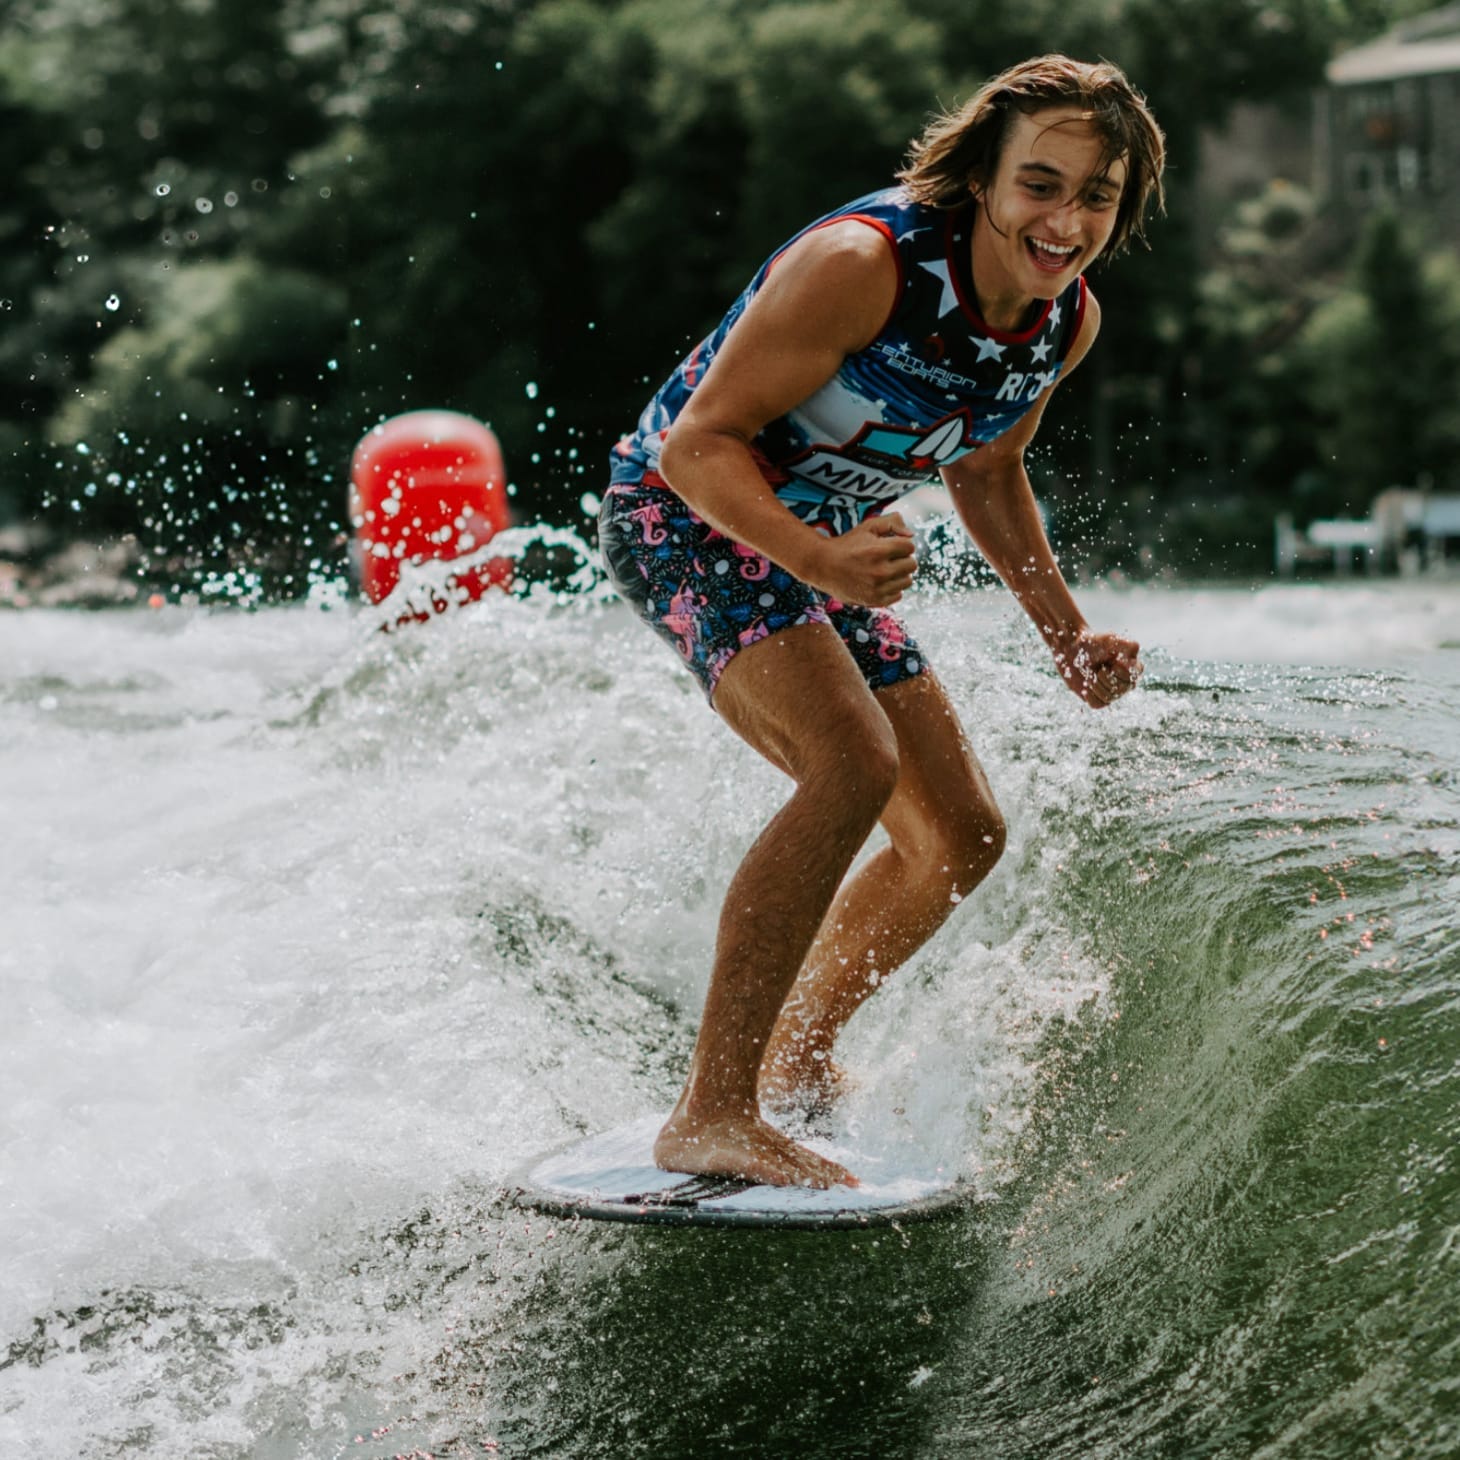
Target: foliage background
234,237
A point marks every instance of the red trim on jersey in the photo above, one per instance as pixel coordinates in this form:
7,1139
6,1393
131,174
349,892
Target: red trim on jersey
774,475
970,306
1079,318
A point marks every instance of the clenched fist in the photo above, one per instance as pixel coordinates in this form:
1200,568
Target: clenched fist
1099,667
872,565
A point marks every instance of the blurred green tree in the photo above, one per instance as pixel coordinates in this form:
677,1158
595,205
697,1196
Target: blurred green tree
167,127
528,209
26,222
162,137
1250,418
191,432
1383,363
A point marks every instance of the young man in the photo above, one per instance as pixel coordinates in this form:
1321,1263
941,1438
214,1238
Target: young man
919,331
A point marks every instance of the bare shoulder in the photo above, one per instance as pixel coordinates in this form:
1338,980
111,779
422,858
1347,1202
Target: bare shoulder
844,274
849,244
828,295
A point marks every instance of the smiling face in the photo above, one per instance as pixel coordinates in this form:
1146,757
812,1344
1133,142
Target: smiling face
1047,214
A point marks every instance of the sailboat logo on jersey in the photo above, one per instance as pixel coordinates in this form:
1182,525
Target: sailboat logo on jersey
878,463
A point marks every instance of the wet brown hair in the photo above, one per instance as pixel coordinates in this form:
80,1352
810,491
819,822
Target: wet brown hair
962,147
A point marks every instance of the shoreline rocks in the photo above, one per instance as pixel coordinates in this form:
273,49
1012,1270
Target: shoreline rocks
35,572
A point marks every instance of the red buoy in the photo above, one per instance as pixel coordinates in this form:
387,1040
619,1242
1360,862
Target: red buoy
428,485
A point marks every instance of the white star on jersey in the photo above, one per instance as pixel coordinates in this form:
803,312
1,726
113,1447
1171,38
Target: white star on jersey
989,350
939,270
1041,350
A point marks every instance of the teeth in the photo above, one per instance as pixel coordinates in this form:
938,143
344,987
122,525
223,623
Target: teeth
1054,250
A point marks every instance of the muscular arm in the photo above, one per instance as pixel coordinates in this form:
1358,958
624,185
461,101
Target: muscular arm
827,297
991,490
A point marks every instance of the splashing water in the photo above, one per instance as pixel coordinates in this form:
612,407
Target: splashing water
313,934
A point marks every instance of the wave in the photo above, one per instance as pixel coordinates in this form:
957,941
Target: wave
363,921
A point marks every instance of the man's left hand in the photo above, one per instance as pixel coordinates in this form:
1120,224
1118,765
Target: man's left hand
1100,667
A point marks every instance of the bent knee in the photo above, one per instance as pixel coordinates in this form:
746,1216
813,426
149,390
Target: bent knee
966,848
860,774
883,770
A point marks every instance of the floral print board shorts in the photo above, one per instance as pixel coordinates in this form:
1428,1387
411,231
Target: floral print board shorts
711,597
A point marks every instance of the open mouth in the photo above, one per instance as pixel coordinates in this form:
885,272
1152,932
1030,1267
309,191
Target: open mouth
1050,257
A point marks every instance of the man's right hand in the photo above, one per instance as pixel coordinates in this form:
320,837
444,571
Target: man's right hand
872,565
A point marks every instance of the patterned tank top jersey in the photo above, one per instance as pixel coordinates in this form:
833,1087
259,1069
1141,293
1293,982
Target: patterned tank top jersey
934,385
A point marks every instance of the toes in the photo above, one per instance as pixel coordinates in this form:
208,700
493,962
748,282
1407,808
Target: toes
821,1172
807,1167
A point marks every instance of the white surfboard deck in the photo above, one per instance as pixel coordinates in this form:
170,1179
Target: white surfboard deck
612,1177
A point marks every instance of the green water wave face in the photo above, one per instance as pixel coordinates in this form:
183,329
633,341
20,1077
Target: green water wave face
1238,1226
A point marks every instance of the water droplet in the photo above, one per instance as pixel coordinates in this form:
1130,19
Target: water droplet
332,364
113,303
203,205
163,189
532,390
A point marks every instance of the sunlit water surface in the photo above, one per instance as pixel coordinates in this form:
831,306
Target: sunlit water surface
311,935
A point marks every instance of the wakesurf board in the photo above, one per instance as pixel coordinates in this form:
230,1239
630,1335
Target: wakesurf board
612,1177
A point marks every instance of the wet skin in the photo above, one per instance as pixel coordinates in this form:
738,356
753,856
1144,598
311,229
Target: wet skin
797,952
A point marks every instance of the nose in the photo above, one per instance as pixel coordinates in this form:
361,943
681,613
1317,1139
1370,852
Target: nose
1064,219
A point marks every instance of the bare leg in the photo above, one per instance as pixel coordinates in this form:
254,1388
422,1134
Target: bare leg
946,834
799,699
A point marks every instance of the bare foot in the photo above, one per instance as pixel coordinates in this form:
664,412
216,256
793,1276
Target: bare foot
743,1146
